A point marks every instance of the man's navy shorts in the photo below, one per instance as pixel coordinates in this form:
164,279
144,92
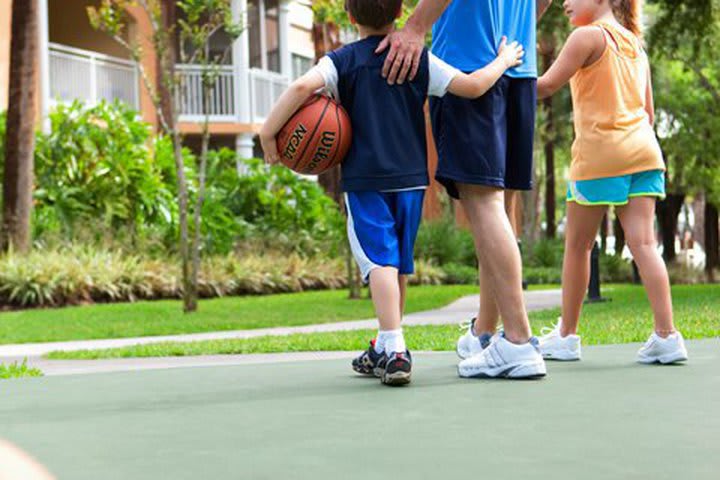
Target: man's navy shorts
488,140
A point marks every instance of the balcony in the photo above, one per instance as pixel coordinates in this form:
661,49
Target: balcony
77,74
265,88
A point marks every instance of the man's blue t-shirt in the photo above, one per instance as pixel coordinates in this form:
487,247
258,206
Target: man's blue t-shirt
469,31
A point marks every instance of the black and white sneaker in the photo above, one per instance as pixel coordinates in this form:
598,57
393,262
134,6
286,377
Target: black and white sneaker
370,362
397,369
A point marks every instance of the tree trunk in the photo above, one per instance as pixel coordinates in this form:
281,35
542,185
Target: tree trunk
189,292
547,51
169,10
20,133
326,37
712,249
667,215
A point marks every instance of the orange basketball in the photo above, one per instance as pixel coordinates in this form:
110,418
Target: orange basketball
316,138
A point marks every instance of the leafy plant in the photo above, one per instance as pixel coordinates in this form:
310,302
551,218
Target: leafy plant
18,370
96,166
443,242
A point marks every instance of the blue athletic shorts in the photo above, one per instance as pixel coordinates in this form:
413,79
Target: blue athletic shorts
382,227
488,140
617,190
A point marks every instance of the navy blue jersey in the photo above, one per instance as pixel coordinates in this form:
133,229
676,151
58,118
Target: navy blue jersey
388,149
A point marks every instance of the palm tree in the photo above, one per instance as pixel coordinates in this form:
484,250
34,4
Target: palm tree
20,134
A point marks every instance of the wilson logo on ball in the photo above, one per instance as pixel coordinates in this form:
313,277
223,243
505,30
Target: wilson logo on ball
327,141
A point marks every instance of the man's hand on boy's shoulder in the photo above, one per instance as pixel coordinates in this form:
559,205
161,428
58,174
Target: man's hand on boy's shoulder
269,146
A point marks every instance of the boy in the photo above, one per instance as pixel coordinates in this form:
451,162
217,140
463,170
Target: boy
384,176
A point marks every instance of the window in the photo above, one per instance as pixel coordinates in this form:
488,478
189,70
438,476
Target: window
300,65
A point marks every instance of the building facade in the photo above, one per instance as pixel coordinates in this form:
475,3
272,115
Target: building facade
79,63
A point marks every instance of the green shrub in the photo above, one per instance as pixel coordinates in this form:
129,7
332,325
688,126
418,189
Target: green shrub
542,275
544,253
284,210
458,274
443,242
615,269
96,167
73,276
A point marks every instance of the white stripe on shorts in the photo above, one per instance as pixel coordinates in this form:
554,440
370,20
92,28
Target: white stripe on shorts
366,265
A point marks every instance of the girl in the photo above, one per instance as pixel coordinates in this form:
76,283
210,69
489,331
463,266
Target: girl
616,160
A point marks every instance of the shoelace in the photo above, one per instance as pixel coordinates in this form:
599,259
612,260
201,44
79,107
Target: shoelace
465,326
548,330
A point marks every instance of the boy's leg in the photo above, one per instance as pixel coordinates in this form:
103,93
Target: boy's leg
582,226
386,297
402,281
637,219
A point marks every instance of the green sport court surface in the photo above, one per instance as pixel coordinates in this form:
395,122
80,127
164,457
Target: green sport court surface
603,418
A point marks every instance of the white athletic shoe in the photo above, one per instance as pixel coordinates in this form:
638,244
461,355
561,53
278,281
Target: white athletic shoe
468,344
505,360
553,346
663,350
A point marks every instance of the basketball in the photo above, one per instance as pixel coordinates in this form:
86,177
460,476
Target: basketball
316,138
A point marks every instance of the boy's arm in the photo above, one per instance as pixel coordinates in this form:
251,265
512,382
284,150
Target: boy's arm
480,81
583,47
285,107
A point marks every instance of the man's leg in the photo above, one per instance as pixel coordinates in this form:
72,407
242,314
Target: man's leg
489,314
498,254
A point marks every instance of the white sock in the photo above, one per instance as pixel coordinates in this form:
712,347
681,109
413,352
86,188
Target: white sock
393,341
380,342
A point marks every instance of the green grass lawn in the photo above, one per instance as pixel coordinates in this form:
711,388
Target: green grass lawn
627,318
139,319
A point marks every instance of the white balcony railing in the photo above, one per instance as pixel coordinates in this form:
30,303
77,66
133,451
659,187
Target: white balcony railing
221,105
265,88
77,74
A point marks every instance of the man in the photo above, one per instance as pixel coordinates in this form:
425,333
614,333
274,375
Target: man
485,151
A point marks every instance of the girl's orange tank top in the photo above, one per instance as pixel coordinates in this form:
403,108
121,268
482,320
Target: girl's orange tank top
613,134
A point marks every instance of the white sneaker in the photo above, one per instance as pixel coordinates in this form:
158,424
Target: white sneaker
505,360
553,346
469,344
663,350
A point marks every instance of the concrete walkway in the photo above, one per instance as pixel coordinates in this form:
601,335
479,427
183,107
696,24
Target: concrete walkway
458,311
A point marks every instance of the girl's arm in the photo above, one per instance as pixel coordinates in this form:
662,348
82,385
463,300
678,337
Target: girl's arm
285,107
584,47
480,81
649,101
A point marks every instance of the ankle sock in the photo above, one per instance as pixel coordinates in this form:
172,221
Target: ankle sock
390,341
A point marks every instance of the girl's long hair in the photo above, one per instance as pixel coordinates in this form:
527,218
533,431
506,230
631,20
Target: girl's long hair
628,13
